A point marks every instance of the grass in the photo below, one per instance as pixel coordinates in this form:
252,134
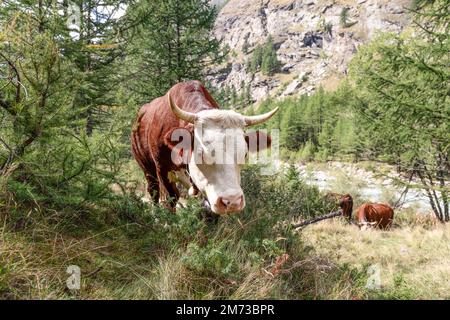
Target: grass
129,250
413,257
34,263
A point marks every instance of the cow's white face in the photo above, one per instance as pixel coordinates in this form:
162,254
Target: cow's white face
220,146
219,151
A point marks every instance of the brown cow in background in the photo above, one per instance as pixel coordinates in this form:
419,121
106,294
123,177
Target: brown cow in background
368,214
378,214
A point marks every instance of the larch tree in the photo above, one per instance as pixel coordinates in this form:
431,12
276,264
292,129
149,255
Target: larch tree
402,85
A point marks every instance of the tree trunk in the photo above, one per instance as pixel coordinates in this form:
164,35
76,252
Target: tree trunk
317,219
88,66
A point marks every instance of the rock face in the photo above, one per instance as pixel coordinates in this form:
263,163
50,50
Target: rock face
313,45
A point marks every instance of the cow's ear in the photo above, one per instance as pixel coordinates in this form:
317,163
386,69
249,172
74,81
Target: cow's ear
179,140
257,141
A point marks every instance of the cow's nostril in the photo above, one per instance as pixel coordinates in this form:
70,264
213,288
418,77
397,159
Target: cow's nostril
226,202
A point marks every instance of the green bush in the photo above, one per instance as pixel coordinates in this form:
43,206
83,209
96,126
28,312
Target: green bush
214,259
283,197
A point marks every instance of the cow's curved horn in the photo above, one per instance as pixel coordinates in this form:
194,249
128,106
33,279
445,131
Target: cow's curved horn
253,120
183,115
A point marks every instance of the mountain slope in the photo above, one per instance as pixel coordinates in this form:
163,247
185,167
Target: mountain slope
314,40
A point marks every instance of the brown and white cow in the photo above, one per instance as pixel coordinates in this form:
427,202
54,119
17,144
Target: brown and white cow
189,117
368,214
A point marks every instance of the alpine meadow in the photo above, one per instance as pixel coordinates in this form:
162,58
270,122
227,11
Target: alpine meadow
348,100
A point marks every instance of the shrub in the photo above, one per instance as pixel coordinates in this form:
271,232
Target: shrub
214,259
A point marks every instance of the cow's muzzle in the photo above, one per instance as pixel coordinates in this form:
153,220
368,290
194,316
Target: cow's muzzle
229,204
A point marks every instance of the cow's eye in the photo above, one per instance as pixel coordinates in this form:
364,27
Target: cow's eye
208,155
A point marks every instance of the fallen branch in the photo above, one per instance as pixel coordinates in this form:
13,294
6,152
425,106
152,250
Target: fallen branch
317,219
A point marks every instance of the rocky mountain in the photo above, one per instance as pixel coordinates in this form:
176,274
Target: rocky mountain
314,40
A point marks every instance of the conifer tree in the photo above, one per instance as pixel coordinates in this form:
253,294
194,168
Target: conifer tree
403,96
270,63
171,43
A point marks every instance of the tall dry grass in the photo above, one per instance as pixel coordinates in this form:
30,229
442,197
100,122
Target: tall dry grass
413,257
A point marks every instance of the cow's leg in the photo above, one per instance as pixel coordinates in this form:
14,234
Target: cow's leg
168,188
153,187
193,190
149,169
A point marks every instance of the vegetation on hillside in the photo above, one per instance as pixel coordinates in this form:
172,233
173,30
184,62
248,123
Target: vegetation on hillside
403,87
394,107
317,127
264,58
129,250
343,18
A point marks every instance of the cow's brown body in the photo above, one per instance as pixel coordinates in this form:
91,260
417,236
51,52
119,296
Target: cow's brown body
155,120
379,214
